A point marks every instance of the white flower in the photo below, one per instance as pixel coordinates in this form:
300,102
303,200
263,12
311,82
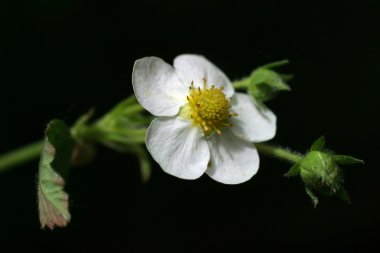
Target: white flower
202,125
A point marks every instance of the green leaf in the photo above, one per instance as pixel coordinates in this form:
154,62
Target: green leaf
319,144
312,196
294,171
345,159
53,170
343,195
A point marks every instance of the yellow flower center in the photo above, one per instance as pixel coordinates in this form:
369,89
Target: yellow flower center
208,108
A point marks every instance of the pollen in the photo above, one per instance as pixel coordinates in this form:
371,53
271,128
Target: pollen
208,108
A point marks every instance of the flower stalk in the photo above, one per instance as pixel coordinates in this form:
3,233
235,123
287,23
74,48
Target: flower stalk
278,152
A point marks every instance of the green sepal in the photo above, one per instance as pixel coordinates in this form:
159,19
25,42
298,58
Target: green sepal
142,156
321,172
319,144
312,196
345,159
123,129
293,172
286,77
275,64
343,195
53,170
126,114
125,124
145,166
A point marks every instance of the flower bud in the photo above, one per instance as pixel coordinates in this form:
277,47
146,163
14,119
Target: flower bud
319,171
122,129
264,83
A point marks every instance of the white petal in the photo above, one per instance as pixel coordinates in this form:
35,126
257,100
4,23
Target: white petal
178,147
233,160
195,68
157,86
254,123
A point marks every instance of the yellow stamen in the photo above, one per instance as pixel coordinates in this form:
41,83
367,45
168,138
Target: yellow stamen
208,108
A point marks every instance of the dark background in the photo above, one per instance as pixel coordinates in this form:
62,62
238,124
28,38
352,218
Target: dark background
60,58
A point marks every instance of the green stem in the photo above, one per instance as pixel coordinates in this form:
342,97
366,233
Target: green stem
21,155
278,152
240,84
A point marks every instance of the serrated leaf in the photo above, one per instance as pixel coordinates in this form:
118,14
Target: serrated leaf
293,172
312,196
53,170
319,144
345,159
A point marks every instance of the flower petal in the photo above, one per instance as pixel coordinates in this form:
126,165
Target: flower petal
233,160
178,147
195,68
157,86
254,123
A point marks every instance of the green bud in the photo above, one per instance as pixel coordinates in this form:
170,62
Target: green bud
123,129
320,172
264,83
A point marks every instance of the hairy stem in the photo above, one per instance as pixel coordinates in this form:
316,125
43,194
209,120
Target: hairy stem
277,152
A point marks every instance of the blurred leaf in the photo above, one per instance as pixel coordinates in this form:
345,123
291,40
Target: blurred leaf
53,170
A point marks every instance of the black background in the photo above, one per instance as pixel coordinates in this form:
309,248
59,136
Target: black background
60,58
